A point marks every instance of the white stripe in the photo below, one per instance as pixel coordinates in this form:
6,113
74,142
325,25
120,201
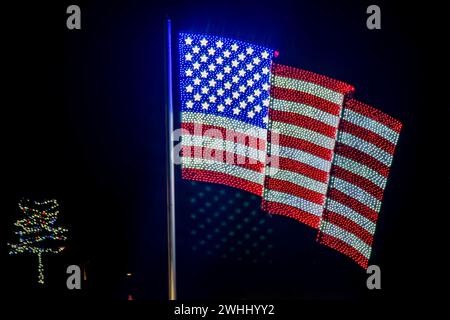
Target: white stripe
305,110
298,179
225,145
293,201
308,87
236,171
303,133
366,147
370,124
227,123
357,193
360,169
349,238
304,157
349,213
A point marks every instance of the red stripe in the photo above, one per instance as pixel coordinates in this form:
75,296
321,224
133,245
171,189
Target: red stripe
222,156
367,135
305,98
373,114
352,203
221,178
357,180
344,248
204,130
294,189
299,167
308,76
348,225
303,145
303,121
362,157
292,212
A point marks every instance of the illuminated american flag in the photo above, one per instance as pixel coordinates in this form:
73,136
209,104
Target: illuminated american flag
288,135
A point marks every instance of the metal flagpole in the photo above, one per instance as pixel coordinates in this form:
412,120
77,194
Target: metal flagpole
170,167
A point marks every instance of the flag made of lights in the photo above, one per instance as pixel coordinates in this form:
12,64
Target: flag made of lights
291,136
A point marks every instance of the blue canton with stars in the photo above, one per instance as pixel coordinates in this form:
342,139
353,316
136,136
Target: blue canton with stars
225,77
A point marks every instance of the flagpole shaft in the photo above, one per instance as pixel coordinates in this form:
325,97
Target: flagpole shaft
170,168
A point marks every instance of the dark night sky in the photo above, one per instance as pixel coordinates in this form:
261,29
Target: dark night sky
84,124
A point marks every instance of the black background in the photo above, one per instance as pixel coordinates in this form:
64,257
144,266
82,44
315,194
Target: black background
83,122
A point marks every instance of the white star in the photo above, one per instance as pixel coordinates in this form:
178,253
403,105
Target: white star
236,110
205,105
227,69
219,76
211,51
212,99
196,65
235,79
212,83
228,101
236,95
250,114
219,60
188,57
197,81
227,85
188,73
234,63
257,93
249,67
189,104
266,103
265,86
203,58
203,42
256,60
241,56
197,97
242,88
205,90
226,53
266,119
241,72
220,92
242,104
189,88
196,49
258,108
234,47
250,82
249,50
219,44
188,41
265,55
250,99
265,70
211,67
256,76
220,107
204,74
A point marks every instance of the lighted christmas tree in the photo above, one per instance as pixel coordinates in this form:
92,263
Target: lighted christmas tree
37,232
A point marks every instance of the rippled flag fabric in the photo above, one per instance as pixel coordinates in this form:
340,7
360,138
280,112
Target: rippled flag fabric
363,155
304,115
224,85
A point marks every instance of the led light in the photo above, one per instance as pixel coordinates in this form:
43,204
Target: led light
37,228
